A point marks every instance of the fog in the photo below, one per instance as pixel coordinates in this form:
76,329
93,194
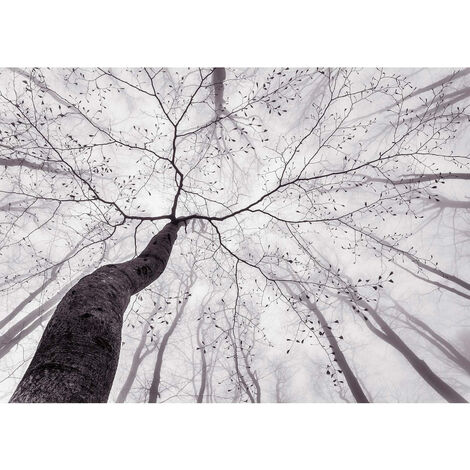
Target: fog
317,223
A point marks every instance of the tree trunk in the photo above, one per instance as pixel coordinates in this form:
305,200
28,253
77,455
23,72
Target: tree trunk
436,339
202,386
242,384
154,392
419,365
218,77
17,332
343,364
241,378
341,360
54,272
78,354
137,359
253,376
24,332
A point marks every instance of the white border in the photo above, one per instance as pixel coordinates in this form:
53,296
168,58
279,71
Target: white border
296,436
241,33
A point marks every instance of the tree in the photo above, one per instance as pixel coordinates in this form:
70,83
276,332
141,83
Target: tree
253,170
339,357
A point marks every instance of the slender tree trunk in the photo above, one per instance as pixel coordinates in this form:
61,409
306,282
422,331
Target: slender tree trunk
4,321
278,391
419,365
154,392
241,379
16,332
137,359
416,178
436,283
254,379
240,376
54,272
421,264
210,375
253,376
23,163
202,387
24,332
436,339
341,360
364,388
78,354
218,77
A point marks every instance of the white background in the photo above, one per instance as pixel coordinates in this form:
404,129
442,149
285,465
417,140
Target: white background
243,33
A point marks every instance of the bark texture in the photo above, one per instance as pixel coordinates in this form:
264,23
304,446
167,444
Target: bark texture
17,310
11,337
78,354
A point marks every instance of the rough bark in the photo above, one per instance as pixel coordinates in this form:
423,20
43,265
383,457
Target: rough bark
77,357
16,332
6,337
54,272
24,332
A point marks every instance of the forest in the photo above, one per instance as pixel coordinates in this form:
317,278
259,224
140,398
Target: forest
234,235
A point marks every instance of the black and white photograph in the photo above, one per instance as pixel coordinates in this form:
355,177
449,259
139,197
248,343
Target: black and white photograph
291,234
235,235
